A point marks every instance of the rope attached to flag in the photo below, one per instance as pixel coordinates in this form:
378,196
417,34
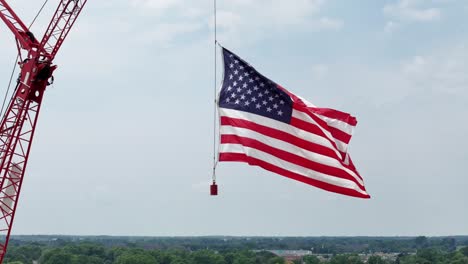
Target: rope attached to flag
214,187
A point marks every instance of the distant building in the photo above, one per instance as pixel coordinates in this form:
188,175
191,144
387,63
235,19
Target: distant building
290,255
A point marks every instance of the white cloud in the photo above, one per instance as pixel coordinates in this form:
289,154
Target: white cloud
156,4
319,70
164,34
415,66
242,18
390,26
237,19
287,12
412,10
326,23
439,73
226,19
444,72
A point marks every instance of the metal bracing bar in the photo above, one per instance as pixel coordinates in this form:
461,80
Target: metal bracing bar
65,16
13,173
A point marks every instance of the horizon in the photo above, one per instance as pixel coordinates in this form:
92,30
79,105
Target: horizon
240,236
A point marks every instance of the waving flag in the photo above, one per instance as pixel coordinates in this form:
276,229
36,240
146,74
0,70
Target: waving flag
265,125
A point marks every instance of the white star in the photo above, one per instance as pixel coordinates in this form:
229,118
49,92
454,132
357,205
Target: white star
241,67
276,96
281,102
231,65
264,102
258,106
228,100
254,99
267,92
237,101
251,80
257,78
230,77
280,112
234,83
262,84
270,98
239,90
249,91
244,85
236,72
241,78
229,88
247,103
246,74
269,109
260,95
243,97
236,61
233,95
255,88
275,106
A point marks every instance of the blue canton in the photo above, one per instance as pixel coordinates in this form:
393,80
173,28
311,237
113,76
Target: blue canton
247,90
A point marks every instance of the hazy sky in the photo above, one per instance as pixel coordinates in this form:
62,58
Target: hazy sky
124,141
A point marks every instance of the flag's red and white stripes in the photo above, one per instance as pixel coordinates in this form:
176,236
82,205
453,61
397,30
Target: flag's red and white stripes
312,148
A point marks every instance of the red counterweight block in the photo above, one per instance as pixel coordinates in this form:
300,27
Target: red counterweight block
214,189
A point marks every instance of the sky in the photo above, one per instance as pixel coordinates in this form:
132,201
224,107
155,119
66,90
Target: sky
124,143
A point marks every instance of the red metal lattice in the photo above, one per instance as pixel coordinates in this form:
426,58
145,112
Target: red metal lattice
19,121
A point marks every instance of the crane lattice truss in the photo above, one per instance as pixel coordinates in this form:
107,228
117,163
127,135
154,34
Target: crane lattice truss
18,124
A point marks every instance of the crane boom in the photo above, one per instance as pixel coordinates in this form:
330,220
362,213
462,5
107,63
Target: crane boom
65,16
18,124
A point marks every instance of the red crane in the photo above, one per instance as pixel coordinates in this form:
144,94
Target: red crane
19,121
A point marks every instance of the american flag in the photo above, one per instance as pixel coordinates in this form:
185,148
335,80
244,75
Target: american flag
265,125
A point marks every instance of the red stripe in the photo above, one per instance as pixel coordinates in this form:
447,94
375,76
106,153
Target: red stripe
317,120
328,112
281,135
289,157
314,129
335,114
286,137
267,166
340,134
336,133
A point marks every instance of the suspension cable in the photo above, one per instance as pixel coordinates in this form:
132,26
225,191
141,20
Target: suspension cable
214,187
214,86
38,13
9,85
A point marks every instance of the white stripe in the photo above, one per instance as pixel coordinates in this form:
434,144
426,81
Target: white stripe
343,126
255,153
338,124
265,121
279,144
304,117
306,102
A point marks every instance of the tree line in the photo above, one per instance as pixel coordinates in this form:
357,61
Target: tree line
109,250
